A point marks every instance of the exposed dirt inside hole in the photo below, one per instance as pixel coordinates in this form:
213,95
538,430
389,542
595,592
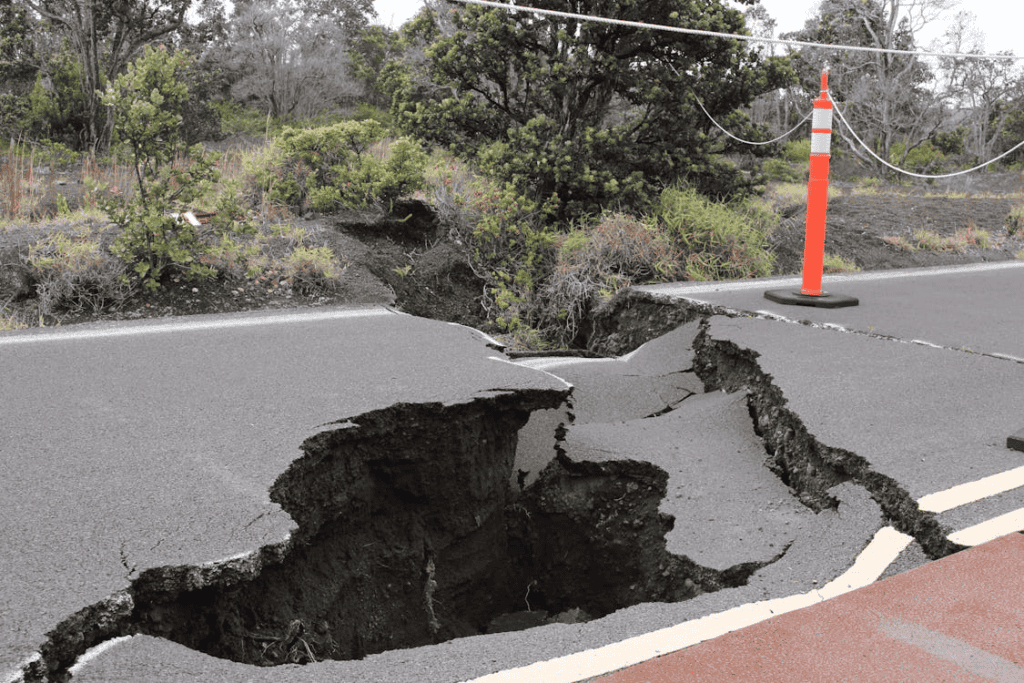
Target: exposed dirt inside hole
410,534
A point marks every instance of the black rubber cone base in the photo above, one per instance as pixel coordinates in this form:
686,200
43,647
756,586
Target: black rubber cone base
1016,441
823,300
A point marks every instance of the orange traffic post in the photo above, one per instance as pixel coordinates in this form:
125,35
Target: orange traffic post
810,293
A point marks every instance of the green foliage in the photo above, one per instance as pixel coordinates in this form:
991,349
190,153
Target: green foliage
594,114
797,151
371,50
922,158
950,142
718,242
345,164
1015,221
56,106
780,170
833,263
146,101
311,269
365,111
509,239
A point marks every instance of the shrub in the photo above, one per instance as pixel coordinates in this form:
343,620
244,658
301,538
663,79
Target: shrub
834,263
597,261
780,170
345,164
75,274
797,151
507,238
312,269
146,102
717,241
922,158
1015,221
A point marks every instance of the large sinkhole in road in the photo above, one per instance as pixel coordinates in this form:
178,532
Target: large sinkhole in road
411,533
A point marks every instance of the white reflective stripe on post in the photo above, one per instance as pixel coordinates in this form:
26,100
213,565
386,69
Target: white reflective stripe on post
822,118
821,143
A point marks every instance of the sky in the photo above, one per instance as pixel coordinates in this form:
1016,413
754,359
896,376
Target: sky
999,20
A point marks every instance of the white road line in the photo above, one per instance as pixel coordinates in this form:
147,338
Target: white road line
558,361
197,323
883,549
991,529
94,652
685,288
16,675
972,491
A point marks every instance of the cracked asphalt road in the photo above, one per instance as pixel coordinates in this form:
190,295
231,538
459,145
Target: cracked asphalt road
929,416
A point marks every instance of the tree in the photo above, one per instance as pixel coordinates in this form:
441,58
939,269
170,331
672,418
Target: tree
17,64
979,90
590,112
290,62
369,53
16,48
106,35
146,101
885,95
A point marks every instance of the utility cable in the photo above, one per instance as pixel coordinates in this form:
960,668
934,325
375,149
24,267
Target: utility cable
909,173
732,36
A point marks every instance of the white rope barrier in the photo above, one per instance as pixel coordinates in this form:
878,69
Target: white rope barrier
910,173
732,36
748,142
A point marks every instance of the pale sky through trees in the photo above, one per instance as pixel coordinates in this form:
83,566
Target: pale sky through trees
999,20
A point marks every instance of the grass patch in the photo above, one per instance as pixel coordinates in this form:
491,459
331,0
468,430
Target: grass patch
1015,221
928,240
833,264
717,241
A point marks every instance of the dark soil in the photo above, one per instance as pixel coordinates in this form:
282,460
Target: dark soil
856,224
412,266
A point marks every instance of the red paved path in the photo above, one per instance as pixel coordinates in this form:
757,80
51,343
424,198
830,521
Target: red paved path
958,619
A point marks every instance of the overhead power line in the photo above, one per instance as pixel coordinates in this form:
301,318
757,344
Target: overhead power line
733,36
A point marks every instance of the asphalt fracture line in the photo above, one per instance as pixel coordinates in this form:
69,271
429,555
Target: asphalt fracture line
883,549
195,324
973,491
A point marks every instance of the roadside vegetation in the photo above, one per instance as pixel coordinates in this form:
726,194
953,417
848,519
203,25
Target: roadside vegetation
573,187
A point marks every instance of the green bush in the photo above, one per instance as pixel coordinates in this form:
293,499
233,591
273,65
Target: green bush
780,170
345,164
312,269
146,101
922,158
717,241
57,110
1015,221
797,151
